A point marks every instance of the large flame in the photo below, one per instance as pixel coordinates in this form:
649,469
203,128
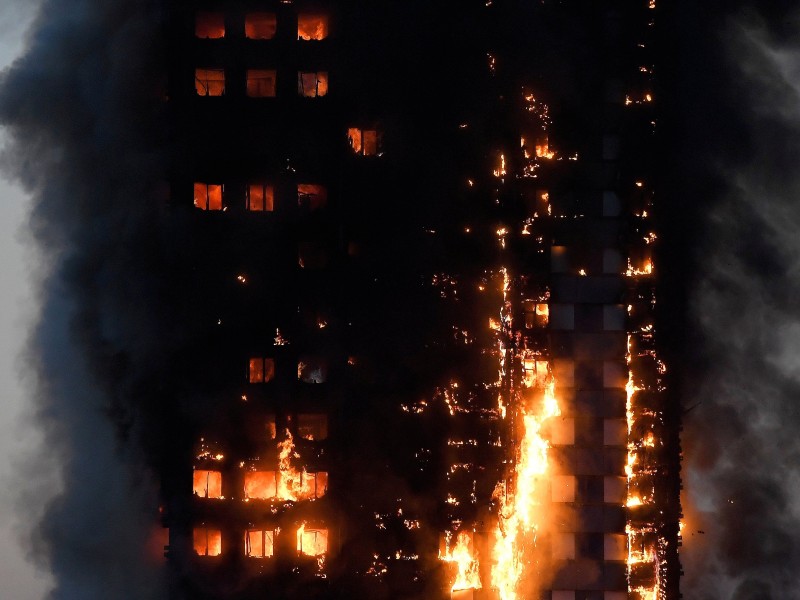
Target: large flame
520,515
460,554
294,484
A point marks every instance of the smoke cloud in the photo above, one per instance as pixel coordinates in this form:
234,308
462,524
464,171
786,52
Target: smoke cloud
741,445
81,107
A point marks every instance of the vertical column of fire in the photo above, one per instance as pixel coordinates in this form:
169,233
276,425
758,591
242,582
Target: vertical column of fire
653,450
522,506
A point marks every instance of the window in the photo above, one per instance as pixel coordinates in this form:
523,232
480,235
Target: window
260,485
261,370
563,546
312,541
615,546
272,429
312,84
312,254
208,196
365,142
315,485
260,25
259,543
207,542
615,432
562,488
312,426
536,314
260,197
261,83
312,370
534,372
562,431
209,82
207,484
312,27
311,196
209,25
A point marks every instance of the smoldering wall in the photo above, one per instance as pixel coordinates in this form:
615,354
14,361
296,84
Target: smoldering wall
740,442
82,108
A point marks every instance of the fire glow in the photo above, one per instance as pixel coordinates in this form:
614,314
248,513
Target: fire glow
520,511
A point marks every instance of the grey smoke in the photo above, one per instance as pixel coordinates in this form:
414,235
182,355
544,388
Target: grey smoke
81,107
742,446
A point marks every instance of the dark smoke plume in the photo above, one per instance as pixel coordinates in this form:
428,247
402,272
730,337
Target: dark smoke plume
741,444
82,107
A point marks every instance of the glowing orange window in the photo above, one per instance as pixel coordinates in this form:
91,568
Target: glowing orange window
207,542
207,484
260,25
312,26
261,83
312,541
209,82
261,370
208,196
272,429
259,543
312,84
311,196
365,142
260,485
315,484
260,197
537,314
534,372
209,25
312,426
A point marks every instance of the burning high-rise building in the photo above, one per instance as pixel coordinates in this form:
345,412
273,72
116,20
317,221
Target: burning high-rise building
391,333
421,270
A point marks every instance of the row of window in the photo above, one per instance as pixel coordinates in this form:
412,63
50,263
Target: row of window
259,197
309,370
265,485
261,543
260,83
260,26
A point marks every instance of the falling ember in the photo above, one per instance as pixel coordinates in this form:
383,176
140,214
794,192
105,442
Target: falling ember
462,555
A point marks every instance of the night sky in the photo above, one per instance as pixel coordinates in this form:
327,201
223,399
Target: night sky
729,95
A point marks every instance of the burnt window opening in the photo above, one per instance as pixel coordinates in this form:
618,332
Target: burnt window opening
260,485
272,429
312,27
207,541
261,370
312,541
536,314
312,84
209,25
260,197
260,25
208,196
261,83
315,484
259,543
534,372
209,82
312,255
365,142
312,426
311,196
312,369
207,484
